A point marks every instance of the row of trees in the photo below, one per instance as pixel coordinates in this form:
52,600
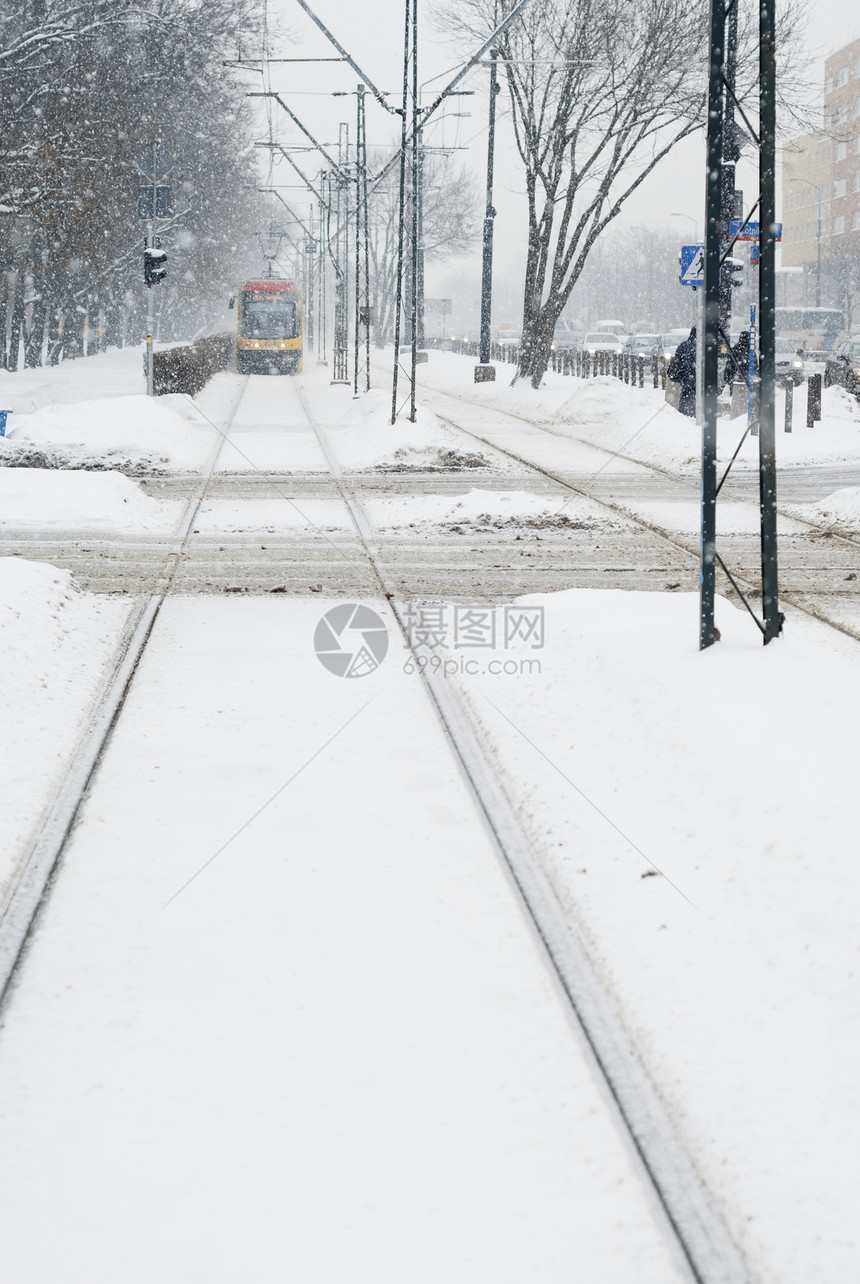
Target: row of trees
83,87
600,92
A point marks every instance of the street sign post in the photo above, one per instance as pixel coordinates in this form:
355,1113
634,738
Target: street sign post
154,161
692,265
154,201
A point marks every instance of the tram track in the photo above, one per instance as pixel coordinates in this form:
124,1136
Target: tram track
691,1219
40,865
654,528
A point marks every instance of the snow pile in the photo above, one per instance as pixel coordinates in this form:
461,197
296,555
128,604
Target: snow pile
136,434
55,644
116,373
51,499
696,814
364,437
841,509
639,424
479,509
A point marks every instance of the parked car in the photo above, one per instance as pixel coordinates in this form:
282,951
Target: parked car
565,339
618,328
843,366
644,345
601,341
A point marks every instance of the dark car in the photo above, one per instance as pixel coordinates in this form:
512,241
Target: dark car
843,366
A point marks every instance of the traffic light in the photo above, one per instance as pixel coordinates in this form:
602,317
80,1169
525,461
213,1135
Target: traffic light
154,264
733,269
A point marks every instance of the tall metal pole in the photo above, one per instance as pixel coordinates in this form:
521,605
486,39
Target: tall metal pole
731,154
398,285
150,311
366,239
484,372
359,105
711,318
767,321
818,240
415,139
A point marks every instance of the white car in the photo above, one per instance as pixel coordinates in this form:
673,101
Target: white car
618,328
601,341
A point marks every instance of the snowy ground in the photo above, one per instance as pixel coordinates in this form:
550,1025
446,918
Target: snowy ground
56,646
336,1053
732,774
640,425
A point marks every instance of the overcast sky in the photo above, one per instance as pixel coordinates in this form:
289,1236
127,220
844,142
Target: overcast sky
372,31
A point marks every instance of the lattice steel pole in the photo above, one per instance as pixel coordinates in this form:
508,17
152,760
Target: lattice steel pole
767,321
711,318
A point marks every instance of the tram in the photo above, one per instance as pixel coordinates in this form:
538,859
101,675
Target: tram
269,336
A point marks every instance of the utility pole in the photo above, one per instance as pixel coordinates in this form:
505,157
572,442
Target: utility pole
398,284
484,372
731,155
340,369
362,275
717,257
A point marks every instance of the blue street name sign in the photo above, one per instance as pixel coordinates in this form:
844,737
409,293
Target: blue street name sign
750,231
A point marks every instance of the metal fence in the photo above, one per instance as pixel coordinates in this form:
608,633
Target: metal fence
637,371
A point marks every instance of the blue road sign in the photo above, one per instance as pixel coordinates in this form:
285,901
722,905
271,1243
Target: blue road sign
751,231
692,265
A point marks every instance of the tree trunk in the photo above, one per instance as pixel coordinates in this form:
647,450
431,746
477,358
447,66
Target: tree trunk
17,320
55,334
36,333
4,316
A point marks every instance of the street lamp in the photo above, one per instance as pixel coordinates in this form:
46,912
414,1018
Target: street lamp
689,219
818,189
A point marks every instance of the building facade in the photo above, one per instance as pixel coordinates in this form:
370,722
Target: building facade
821,193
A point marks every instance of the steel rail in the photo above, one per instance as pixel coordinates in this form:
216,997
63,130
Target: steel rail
692,1223
790,597
40,867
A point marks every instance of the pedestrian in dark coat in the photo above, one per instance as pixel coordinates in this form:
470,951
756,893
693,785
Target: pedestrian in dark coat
682,368
737,366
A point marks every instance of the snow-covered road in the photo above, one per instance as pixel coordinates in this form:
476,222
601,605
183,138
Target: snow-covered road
336,1054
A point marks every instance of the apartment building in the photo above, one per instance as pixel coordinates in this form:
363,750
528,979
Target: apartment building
821,190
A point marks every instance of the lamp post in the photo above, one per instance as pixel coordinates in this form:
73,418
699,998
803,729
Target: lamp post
818,190
689,219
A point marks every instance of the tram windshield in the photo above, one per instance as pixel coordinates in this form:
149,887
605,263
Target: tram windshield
267,315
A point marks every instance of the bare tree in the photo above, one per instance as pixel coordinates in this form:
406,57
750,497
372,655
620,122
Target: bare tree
601,91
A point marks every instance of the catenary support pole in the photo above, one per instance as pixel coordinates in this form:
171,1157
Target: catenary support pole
398,284
416,137
711,317
484,372
767,325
